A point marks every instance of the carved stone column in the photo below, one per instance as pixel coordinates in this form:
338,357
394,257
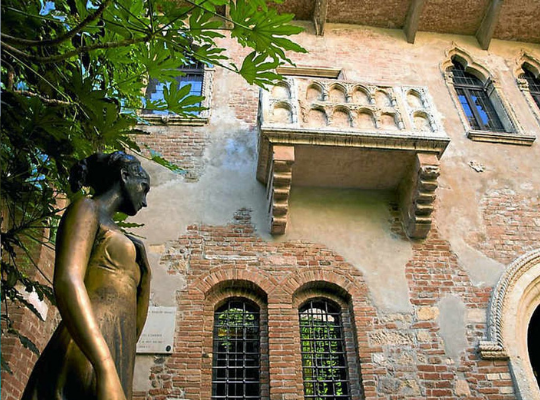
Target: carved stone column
418,195
279,187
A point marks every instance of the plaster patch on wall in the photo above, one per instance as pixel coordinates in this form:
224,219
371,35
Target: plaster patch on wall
163,286
228,184
141,375
458,217
452,326
481,269
355,224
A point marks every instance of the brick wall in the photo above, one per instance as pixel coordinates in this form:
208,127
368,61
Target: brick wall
182,146
391,356
21,360
512,225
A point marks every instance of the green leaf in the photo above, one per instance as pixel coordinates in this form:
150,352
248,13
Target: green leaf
256,70
157,158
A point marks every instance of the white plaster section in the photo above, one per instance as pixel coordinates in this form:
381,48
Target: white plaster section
163,286
141,375
458,216
356,225
452,326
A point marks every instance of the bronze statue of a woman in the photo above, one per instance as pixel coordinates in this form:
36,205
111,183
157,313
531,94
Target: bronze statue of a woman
101,284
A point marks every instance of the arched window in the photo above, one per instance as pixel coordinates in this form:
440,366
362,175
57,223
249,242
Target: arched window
236,359
533,82
324,363
475,101
532,343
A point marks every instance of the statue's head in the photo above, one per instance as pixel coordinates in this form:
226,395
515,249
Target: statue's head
114,171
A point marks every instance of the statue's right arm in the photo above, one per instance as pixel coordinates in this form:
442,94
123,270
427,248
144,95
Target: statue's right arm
75,239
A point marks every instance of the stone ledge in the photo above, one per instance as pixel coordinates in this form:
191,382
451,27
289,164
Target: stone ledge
501,137
174,121
490,350
375,140
321,72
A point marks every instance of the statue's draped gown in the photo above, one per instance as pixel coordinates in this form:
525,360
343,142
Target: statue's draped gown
63,372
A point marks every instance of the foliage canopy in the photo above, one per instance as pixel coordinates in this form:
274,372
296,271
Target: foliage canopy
73,78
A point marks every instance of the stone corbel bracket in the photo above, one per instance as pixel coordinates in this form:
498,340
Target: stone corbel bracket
279,187
418,195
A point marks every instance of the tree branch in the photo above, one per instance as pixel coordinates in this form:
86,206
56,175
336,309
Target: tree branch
77,51
10,75
54,102
66,36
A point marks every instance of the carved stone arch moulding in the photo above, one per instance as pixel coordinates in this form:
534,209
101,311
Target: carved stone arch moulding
533,64
472,66
512,132
513,301
526,58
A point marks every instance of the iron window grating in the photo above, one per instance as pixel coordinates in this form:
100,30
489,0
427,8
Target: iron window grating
323,350
236,364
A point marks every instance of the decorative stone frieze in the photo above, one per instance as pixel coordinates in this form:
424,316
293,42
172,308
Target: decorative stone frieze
333,113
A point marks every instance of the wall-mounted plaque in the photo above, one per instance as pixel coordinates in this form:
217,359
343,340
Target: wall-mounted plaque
158,333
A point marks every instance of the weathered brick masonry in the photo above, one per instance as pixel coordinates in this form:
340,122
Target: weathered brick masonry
217,245
396,356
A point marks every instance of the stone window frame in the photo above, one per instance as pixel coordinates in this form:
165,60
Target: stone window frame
199,120
335,294
534,63
513,302
514,133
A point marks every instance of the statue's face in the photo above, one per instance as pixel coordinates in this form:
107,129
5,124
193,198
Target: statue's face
136,188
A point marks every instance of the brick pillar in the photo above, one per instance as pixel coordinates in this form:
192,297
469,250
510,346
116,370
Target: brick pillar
285,374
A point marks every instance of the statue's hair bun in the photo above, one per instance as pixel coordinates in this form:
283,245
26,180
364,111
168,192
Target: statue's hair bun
77,175
99,171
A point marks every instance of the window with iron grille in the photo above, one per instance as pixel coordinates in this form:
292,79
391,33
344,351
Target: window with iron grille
236,359
191,74
533,82
474,99
323,349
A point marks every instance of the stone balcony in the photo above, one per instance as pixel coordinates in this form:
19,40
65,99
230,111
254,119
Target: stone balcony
331,133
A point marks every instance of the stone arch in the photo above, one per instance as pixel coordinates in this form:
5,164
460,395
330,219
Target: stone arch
471,66
507,121
341,117
315,92
422,121
361,95
383,98
337,93
513,301
281,91
532,63
365,119
414,99
317,117
388,121
282,113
